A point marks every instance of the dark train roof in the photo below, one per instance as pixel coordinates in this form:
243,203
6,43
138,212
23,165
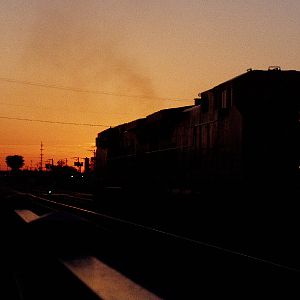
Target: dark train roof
165,113
156,117
271,73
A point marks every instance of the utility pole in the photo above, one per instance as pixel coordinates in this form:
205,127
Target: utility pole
42,149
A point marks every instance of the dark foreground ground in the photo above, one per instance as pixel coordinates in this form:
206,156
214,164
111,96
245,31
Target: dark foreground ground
222,243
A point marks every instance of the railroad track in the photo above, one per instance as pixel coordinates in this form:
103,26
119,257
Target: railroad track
162,261
122,224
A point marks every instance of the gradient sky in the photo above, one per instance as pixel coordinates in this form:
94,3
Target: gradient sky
162,50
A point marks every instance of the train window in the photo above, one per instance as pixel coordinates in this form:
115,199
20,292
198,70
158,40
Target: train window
226,98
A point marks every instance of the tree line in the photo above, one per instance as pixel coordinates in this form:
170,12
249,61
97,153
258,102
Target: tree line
16,162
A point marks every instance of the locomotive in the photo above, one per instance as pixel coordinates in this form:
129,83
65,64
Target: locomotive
244,130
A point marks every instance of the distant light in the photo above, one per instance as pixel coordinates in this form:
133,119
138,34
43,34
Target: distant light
50,192
82,176
72,176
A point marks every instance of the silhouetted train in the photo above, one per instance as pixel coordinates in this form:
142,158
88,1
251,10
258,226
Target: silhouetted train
243,130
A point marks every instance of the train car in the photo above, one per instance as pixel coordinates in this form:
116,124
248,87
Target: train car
246,129
243,130
139,152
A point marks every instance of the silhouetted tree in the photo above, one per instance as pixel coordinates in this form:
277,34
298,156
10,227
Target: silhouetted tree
15,162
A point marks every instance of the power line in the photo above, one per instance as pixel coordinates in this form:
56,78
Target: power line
54,122
66,88
21,105
47,107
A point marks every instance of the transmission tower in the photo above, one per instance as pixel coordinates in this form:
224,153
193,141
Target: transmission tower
41,162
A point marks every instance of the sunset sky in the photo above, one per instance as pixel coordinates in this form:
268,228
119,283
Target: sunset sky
86,61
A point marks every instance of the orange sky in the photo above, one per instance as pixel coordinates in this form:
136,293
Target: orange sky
110,49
